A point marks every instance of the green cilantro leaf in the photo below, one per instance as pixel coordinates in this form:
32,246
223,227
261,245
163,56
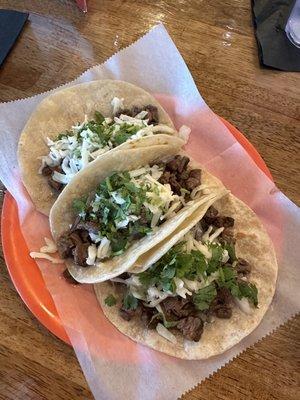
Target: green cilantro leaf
121,137
110,300
231,251
249,290
216,258
79,206
203,297
99,117
130,302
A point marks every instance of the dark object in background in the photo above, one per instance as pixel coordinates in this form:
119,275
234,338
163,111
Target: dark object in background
11,24
274,48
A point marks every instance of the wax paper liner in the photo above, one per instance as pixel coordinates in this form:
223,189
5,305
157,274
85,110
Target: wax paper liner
116,367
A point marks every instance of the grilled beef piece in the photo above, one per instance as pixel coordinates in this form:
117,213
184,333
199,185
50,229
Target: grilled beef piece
198,232
212,218
128,314
85,236
89,226
212,212
76,238
243,267
227,222
149,317
80,254
176,308
178,164
74,243
175,184
191,328
65,245
193,180
221,305
165,178
178,175
152,115
126,111
47,171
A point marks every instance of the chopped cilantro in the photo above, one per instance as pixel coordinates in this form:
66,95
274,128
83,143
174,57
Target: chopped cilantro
99,117
203,298
63,135
231,251
79,206
125,132
216,258
108,184
118,245
175,263
121,137
239,289
110,300
249,290
130,302
115,200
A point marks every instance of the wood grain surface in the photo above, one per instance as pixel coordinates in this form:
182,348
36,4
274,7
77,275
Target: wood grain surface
216,40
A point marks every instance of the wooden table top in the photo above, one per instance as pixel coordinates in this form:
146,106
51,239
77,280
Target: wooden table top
216,40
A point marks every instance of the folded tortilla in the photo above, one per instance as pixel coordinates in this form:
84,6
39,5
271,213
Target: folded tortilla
62,214
252,244
63,109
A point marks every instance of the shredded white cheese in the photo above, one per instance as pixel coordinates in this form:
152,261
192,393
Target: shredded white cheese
117,104
244,305
205,236
92,253
181,290
217,233
50,246
165,333
34,254
73,153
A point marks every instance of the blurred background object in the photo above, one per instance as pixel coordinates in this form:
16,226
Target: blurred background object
292,28
11,25
273,19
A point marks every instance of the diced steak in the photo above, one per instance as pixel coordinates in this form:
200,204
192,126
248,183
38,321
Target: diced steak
90,226
80,254
243,267
176,307
191,328
65,245
221,305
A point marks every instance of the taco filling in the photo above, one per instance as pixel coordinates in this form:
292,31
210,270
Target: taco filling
72,150
127,206
198,279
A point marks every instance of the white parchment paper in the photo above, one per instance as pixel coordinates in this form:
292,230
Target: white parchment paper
115,367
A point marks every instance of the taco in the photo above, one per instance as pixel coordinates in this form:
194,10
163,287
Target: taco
122,205
201,290
76,125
